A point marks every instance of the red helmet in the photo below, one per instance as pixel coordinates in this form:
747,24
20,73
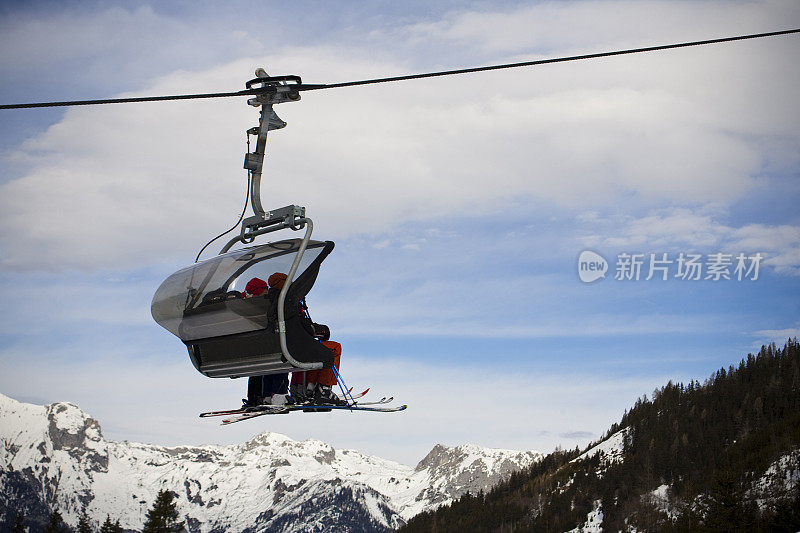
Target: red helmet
256,286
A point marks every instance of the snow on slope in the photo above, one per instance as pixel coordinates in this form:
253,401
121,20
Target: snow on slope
594,520
777,482
270,482
610,449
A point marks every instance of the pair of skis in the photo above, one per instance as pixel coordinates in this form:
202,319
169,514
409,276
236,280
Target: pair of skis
238,415
242,410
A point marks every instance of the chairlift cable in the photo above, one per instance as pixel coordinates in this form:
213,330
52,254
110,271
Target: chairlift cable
313,87
245,92
553,60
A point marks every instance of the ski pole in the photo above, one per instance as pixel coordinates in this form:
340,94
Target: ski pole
343,385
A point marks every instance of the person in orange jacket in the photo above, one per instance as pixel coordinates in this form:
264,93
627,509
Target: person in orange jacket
316,386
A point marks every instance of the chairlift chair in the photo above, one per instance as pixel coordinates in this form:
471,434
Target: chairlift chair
226,334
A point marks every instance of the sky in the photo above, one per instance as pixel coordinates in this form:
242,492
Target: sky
460,206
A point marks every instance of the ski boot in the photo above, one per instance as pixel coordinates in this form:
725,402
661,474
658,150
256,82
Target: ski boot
324,395
297,393
251,404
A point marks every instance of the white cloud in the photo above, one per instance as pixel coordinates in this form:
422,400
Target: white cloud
778,336
686,229
669,227
542,26
532,312
44,306
129,185
782,243
107,45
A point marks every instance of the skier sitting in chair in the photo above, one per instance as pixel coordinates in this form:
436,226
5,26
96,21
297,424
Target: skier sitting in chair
272,389
316,386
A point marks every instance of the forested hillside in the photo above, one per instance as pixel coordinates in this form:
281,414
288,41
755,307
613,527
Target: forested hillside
723,455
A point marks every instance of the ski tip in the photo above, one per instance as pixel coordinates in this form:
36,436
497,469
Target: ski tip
212,414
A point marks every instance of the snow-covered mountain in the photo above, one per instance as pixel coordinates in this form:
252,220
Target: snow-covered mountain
55,456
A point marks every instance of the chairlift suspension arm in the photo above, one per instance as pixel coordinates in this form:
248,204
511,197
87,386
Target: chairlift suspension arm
254,161
258,159
274,90
279,92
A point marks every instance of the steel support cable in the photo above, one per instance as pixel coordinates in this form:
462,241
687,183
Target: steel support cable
314,87
553,60
244,92
241,217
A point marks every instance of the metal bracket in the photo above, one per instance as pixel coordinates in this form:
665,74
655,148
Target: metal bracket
289,217
276,88
277,219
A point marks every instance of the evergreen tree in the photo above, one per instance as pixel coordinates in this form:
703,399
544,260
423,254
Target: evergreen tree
84,526
109,527
163,516
19,523
726,511
56,524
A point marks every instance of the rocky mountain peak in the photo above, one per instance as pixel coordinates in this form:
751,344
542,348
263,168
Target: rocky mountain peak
69,427
443,459
454,470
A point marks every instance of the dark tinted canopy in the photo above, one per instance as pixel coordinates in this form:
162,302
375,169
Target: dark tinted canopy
205,300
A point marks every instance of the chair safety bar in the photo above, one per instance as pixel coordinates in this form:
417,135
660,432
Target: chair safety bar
282,298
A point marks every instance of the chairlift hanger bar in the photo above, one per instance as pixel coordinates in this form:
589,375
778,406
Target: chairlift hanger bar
299,86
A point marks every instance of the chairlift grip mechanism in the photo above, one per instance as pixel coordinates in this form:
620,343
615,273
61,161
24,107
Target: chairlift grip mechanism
277,91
